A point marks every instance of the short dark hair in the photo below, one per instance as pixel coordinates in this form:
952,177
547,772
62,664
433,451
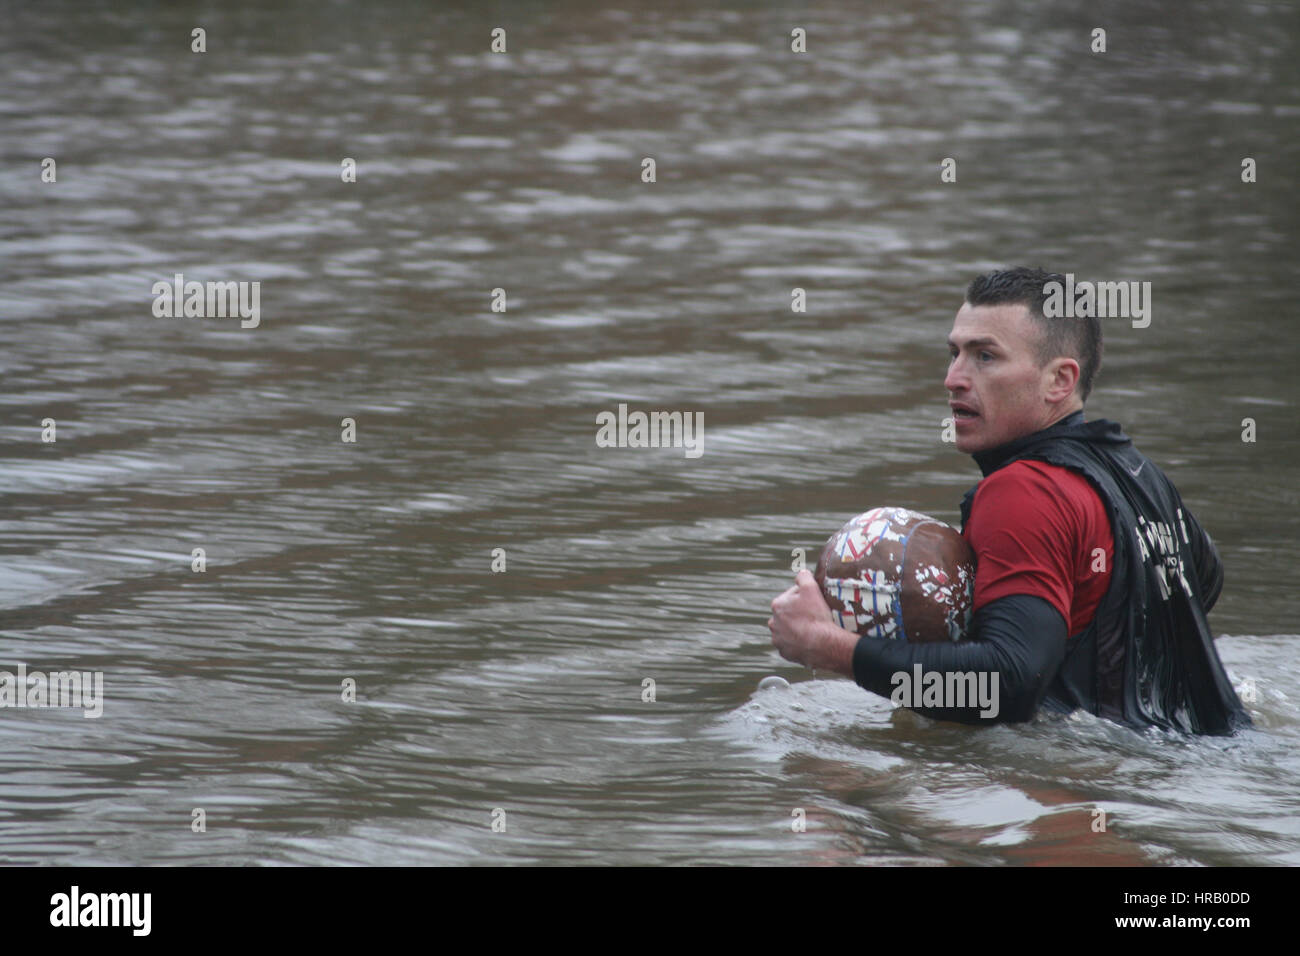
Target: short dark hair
1076,338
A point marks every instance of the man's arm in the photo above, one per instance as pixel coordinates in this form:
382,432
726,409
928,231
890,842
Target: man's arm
1020,638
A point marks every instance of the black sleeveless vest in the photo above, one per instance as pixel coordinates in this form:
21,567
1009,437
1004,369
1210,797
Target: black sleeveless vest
1148,657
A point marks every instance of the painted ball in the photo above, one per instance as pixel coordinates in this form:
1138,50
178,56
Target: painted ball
900,574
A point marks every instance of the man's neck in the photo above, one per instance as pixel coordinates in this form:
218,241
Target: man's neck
991,459
1063,416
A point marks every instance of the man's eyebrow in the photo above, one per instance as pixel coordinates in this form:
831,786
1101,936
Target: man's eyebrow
975,343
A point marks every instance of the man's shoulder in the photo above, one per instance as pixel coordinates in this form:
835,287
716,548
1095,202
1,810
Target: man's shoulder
1031,494
1029,476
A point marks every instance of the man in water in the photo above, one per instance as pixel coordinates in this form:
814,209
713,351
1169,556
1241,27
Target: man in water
1093,579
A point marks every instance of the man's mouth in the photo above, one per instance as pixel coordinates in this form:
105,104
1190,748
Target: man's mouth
962,412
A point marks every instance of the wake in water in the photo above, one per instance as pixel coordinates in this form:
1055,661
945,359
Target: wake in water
1060,789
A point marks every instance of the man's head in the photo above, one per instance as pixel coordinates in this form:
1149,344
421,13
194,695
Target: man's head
1013,369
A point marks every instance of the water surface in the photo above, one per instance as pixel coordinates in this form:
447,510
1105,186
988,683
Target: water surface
372,561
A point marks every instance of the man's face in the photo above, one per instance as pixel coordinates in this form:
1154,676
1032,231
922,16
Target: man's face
994,374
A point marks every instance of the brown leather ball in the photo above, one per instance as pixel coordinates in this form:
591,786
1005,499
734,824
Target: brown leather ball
895,573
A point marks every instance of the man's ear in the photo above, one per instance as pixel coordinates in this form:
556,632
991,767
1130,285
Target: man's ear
1063,375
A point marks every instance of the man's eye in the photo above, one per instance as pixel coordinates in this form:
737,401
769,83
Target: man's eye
986,355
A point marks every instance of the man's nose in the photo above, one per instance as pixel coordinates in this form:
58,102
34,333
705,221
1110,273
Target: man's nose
956,379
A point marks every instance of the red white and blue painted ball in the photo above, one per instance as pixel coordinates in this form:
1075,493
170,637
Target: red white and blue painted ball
900,574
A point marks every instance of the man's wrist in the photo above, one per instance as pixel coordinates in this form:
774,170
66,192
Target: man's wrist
835,650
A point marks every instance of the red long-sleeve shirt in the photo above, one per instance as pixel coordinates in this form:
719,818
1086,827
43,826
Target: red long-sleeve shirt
1035,529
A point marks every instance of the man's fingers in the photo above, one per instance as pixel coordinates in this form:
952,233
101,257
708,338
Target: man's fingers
787,593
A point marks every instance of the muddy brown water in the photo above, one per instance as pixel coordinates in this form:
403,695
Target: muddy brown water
371,561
